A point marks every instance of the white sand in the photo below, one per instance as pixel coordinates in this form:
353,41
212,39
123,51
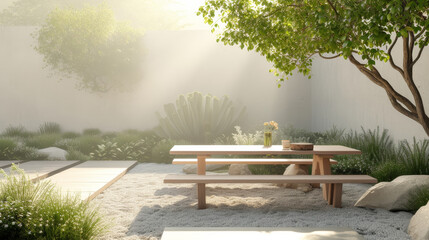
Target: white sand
140,206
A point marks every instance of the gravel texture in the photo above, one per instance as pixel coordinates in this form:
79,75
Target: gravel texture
140,206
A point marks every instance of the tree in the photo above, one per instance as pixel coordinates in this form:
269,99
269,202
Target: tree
289,33
90,45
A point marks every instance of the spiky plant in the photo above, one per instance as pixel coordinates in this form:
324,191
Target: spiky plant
199,118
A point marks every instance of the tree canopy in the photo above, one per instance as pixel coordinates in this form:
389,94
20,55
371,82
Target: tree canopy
290,32
90,45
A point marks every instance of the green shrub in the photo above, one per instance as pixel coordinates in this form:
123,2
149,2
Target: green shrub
67,143
161,152
387,171
76,155
418,199
49,128
39,211
91,131
9,150
42,140
198,119
415,156
267,169
18,131
355,165
87,143
241,138
110,150
70,135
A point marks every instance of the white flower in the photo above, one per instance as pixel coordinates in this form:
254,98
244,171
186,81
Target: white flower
5,226
13,223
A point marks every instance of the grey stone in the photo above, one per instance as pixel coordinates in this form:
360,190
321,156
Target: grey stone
297,169
394,195
192,168
419,224
54,153
239,169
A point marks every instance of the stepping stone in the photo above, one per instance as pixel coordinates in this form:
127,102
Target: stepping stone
299,233
37,170
91,178
8,163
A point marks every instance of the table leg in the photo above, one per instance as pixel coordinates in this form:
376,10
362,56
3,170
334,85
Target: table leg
201,187
315,170
324,168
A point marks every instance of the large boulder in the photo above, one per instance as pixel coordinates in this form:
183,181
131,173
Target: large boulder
54,153
192,168
393,196
419,224
297,169
239,169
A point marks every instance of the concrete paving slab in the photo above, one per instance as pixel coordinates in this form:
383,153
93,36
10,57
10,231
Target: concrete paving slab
328,233
38,170
92,177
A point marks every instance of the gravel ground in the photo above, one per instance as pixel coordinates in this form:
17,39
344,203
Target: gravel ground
140,206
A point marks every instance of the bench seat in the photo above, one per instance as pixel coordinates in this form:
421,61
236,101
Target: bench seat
335,182
248,161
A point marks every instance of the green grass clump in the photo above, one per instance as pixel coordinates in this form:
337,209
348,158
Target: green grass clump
388,171
418,199
70,135
49,128
18,131
39,211
91,131
10,150
40,141
415,156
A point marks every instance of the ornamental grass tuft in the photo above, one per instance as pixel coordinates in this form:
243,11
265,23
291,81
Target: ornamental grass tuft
39,211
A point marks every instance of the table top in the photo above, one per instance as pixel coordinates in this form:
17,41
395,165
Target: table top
258,150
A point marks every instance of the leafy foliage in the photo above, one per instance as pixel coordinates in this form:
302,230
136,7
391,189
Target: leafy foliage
390,170
161,152
10,150
39,211
199,119
90,45
289,33
91,131
42,140
241,138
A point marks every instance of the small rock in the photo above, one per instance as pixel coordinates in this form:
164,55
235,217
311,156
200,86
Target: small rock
394,195
297,169
239,169
54,153
419,224
192,168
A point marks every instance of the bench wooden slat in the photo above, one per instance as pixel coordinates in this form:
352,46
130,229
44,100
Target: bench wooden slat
179,178
247,161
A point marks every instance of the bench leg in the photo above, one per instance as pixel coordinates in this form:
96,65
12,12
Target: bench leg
337,193
201,195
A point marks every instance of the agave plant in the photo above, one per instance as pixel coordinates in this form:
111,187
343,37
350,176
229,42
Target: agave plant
199,119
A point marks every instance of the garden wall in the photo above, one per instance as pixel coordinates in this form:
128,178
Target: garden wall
343,96
175,62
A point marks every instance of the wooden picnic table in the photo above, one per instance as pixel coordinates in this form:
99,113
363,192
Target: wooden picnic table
322,155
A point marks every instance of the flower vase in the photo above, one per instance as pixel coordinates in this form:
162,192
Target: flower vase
268,139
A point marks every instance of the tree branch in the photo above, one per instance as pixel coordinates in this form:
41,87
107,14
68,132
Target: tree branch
330,57
333,7
418,55
396,67
376,77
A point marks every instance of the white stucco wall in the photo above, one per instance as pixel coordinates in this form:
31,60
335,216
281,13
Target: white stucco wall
344,97
174,63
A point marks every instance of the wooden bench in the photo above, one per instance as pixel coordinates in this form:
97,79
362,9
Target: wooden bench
335,182
248,161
